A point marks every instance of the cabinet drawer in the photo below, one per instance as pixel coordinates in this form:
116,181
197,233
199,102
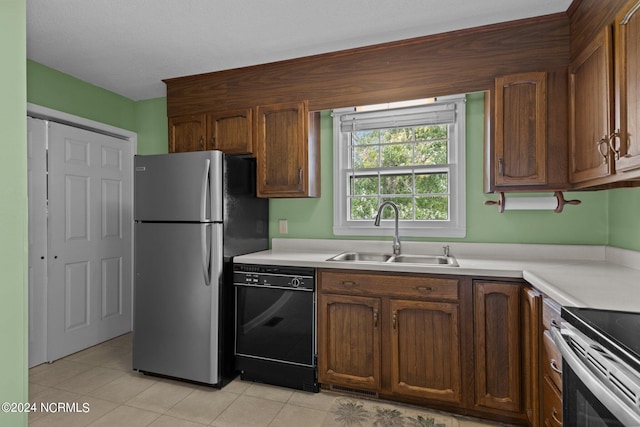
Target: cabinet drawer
551,360
551,404
345,282
550,313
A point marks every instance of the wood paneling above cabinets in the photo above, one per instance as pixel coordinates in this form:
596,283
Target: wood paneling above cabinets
442,64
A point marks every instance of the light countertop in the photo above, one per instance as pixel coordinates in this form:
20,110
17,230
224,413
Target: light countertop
573,275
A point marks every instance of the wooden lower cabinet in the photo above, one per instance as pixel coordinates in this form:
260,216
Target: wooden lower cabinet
396,335
443,341
497,344
426,350
551,404
531,304
550,367
349,336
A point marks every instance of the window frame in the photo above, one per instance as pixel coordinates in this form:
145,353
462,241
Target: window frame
455,226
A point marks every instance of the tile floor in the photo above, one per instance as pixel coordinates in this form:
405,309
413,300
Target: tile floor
109,393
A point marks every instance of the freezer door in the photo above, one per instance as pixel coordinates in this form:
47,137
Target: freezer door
179,187
176,300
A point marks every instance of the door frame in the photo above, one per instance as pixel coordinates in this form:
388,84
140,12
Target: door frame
44,113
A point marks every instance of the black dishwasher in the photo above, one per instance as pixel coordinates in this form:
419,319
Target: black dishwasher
275,325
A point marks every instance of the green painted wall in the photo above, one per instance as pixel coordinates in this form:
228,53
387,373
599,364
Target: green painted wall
624,214
152,126
584,224
13,209
51,88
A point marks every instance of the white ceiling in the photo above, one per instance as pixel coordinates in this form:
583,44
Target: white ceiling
129,46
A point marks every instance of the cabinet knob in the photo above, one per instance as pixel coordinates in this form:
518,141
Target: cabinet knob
394,319
375,318
500,167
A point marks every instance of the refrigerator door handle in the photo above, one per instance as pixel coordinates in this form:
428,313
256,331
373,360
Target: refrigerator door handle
216,253
204,192
206,251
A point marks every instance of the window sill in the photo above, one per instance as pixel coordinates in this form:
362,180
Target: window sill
406,231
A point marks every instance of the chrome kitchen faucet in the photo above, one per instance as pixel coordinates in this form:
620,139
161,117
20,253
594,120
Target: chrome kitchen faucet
396,237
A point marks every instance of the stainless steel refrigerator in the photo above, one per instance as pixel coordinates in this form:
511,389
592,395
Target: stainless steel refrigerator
193,212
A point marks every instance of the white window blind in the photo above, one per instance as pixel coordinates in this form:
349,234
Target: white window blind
412,156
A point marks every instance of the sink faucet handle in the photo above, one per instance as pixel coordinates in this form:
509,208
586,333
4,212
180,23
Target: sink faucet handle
446,250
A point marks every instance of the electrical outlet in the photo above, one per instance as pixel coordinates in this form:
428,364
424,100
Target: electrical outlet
283,226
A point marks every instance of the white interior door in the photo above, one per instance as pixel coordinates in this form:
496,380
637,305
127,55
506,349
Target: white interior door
90,239
37,194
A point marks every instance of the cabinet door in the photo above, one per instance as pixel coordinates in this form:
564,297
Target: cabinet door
282,155
521,129
497,345
627,35
187,133
531,337
349,341
232,131
590,110
426,350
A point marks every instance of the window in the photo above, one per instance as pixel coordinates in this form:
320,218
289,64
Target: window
412,156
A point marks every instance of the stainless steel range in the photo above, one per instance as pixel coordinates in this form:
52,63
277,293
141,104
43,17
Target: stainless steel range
601,367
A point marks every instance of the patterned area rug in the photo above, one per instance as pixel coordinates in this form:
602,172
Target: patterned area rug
353,412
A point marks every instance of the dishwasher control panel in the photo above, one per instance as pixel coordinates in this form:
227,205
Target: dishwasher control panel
302,278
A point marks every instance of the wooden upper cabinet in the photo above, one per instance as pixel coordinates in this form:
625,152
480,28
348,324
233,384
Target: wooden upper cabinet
527,148
626,142
498,346
521,129
187,133
349,341
426,350
288,159
231,131
590,110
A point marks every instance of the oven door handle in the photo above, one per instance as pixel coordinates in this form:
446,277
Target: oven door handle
617,407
